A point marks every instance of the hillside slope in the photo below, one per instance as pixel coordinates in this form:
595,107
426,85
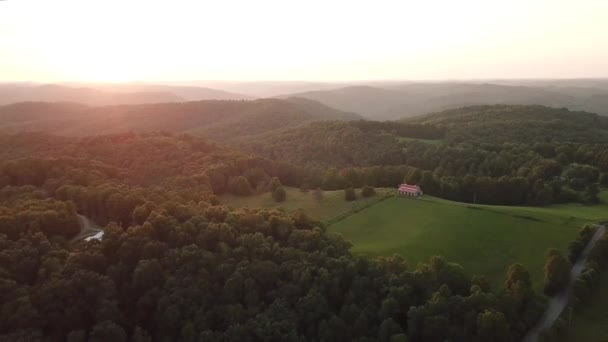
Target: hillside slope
485,239
514,123
394,101
213,118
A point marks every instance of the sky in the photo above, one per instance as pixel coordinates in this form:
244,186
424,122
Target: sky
325,40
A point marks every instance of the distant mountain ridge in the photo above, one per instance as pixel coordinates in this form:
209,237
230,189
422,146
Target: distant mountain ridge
375,100
394,101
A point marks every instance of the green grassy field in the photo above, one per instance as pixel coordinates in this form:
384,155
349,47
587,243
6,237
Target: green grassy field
484,239
332,205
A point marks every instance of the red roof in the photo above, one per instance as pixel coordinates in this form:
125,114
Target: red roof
409,188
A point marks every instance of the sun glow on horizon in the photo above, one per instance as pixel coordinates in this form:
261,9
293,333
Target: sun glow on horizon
313,40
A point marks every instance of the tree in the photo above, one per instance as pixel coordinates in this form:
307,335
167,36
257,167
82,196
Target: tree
518,288
492,326
274,183
368,191
317,195
279,194
604,179
413,177
239,186
557,272
575,248
77,336
591,194
349,194
388,329
108,331
482,282
147,274
517,274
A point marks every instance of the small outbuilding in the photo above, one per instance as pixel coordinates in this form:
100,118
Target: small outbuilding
409,190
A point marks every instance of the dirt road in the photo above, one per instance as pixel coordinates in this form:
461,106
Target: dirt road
559,302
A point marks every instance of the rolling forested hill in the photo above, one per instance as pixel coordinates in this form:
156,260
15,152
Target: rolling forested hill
511,123
386,101
357,143
497,154
216,119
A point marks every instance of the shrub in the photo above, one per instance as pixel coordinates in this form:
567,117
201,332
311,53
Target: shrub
368,191
279,194
349,194
557,272
318,195
275,183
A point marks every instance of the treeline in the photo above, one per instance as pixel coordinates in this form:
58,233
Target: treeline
533,188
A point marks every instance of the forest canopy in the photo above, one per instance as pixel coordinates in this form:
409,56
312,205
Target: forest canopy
175,265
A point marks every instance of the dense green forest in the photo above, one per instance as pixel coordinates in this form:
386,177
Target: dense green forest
174,265
524,124
487,154
220,120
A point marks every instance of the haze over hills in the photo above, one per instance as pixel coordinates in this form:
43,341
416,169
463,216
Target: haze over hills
185,92
517,124
376,100
392,101
269,88
213,118
106,94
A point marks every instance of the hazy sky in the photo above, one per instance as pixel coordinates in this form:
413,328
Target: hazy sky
118,40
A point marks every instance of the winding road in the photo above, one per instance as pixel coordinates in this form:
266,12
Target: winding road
558,303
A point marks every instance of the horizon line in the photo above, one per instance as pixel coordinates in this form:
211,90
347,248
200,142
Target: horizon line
312,81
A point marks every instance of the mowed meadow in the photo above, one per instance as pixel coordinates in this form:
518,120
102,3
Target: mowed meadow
484,239
331,207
